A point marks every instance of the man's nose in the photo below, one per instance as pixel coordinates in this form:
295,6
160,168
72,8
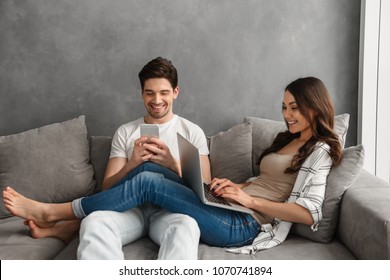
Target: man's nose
157,98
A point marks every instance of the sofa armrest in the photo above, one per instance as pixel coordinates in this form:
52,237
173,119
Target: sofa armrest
364,225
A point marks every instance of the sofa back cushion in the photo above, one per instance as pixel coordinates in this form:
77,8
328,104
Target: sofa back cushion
231,153
48,164
100,152
264,132
340,179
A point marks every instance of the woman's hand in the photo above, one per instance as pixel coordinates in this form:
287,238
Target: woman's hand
231,191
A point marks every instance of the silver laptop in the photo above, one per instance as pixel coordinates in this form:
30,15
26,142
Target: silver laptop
192,175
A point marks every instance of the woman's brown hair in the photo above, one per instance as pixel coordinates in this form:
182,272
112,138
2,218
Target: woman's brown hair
310,95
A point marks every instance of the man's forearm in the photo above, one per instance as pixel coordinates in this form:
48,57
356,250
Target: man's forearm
109,181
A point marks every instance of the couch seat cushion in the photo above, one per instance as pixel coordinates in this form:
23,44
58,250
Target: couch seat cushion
17,244
100,153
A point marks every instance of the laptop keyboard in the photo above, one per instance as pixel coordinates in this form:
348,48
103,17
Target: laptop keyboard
211,197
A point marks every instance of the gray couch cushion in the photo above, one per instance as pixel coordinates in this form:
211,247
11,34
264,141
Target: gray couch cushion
231,153
100,152
17,244
293,248
48,164
340,179
364,225
341,125
264,132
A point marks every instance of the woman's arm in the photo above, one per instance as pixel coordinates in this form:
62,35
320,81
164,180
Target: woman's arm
290,212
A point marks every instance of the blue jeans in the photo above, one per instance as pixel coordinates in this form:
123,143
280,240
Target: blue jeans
157,185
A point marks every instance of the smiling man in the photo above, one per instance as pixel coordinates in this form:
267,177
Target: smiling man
103,233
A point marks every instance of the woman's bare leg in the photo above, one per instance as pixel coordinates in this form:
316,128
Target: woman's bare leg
43,214
64,230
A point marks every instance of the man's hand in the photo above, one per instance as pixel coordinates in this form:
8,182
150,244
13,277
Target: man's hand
159,153
141,153
118,167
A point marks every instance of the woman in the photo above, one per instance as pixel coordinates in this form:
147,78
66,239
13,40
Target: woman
293,169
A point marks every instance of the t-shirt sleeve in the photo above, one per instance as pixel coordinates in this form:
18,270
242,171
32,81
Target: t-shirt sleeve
200,141
118,144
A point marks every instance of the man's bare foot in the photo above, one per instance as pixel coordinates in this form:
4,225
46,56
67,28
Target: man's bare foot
65,230
26,208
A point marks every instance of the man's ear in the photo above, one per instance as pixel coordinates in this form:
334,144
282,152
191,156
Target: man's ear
176,92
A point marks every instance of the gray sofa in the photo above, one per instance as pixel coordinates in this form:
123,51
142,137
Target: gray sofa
60,162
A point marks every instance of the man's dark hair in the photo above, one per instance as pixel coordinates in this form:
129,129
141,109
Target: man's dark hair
159,68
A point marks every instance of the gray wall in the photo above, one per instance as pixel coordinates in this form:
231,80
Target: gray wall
63,58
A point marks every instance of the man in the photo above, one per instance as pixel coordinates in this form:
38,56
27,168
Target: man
103,233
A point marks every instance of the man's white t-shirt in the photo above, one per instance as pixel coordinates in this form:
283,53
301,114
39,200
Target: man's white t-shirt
123,141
